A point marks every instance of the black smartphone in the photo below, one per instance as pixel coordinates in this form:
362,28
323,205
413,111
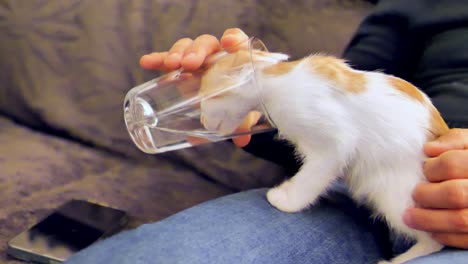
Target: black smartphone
69,229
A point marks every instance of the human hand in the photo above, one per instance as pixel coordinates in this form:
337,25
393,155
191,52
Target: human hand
190,55
443,202
249,121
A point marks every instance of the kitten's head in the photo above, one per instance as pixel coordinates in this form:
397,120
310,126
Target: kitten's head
230,89
233,69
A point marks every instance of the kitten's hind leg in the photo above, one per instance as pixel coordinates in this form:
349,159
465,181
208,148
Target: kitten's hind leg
425,245
306,186
391,194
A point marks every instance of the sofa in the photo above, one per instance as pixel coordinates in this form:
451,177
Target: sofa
65,67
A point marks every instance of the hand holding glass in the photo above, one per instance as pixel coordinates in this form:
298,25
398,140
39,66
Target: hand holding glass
166,113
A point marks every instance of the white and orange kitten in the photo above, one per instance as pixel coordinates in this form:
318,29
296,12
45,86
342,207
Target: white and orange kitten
368,128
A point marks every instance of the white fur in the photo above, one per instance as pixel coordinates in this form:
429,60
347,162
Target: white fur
373,139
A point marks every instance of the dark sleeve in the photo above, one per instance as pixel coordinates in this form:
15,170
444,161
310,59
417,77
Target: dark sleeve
383,41
423,42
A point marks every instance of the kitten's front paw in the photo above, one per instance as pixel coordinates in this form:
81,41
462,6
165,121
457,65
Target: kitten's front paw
223,125
284,200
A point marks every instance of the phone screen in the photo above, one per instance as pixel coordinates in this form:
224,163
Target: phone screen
71,228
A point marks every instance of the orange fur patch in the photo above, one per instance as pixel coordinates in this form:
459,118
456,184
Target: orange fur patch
281,67
407,88
338,72
438,125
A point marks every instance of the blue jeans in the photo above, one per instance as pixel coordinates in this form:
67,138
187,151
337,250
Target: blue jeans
245,228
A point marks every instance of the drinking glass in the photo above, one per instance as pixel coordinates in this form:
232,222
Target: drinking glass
164,114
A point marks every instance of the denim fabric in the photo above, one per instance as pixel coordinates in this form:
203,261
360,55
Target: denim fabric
245,228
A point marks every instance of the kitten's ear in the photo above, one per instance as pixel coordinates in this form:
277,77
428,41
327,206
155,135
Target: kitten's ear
271,57
278,56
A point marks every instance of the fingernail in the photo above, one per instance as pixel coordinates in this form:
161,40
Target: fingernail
174,56
190,61
407,217
232,37
433,143
190,56
144,57
432,146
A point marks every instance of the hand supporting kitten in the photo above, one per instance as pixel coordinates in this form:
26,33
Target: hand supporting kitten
443,201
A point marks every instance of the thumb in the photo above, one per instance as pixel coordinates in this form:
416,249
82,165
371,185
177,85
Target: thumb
234,39
249,121
454,139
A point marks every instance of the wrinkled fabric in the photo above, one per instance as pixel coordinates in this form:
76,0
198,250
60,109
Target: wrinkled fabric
244,228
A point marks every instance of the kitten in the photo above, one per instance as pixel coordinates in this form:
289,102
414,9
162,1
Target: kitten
367,127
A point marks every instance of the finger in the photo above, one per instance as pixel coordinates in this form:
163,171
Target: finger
188,85
452,239
174,57
249,121
201,47
153,61
455,139
232,38
452,194
194,141
242,141
452,164
436,221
